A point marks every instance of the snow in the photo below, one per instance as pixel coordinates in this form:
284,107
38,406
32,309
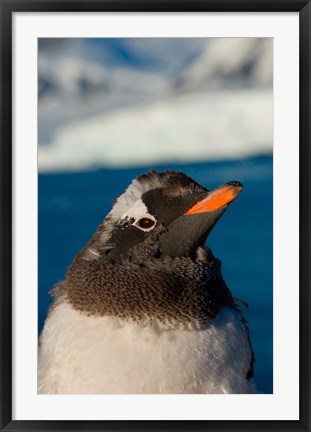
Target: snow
160,100
218,125
230,61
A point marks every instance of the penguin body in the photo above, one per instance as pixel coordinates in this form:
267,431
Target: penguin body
143,307
105,355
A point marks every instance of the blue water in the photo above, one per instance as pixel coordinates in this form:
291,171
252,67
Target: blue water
72,205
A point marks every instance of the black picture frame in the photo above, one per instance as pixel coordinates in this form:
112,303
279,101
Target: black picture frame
7,9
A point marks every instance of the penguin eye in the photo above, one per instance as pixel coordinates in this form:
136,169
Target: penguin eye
145,223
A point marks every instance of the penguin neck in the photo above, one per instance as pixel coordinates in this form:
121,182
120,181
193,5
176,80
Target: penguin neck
172,291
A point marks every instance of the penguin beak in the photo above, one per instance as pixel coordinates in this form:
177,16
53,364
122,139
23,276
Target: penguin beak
189,231
217,199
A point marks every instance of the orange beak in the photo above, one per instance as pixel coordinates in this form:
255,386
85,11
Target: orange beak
216,199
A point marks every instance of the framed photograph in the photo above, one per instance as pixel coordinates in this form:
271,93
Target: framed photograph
155,215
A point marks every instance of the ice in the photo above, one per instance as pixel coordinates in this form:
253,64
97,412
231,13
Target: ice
132,102
218,125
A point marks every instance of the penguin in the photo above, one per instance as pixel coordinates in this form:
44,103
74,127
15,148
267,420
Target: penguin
143,307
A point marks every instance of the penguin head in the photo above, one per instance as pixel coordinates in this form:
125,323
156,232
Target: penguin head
160,215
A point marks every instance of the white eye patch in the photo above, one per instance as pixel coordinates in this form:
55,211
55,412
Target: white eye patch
142,219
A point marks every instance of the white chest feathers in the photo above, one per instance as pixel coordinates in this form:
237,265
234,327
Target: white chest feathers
87,355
